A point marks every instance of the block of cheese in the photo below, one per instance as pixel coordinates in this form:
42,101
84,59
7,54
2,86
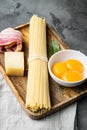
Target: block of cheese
14,63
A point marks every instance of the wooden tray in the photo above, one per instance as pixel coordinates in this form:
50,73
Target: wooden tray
60,96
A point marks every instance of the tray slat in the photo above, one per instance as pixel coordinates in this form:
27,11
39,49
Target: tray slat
60,96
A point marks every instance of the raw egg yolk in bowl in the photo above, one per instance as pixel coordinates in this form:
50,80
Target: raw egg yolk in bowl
70,70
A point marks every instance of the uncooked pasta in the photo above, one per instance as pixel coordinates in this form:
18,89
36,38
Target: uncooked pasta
38,96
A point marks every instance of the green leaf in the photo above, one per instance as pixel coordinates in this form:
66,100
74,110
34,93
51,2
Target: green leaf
53,47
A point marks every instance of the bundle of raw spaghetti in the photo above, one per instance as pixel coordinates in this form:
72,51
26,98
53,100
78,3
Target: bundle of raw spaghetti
37,97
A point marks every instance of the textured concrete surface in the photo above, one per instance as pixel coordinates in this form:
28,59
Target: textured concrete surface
69,19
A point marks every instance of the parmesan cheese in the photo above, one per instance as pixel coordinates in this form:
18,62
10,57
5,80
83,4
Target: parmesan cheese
14,63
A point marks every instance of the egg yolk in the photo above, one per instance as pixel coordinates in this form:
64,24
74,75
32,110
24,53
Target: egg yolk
71,70
73,64
59,68
71,76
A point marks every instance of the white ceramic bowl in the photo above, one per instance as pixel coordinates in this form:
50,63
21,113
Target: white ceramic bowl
65,55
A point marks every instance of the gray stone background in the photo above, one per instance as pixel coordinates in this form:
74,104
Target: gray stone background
67,17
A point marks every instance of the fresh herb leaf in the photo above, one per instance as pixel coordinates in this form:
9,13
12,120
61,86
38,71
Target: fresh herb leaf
53,47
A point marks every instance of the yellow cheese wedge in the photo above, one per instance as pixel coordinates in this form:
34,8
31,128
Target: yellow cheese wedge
14,63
